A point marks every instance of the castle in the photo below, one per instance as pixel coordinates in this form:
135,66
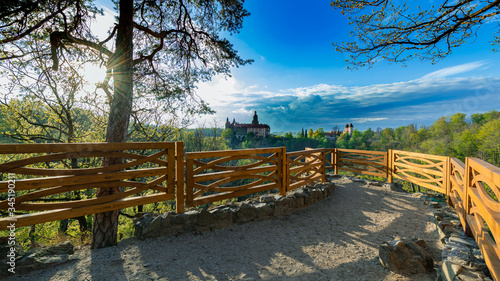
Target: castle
241,130
332,135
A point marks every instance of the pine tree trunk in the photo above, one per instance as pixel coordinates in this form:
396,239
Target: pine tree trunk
105,227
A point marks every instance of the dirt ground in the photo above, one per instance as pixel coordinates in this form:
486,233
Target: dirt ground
334,239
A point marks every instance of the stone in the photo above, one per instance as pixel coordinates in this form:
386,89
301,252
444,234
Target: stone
406,257
44,257
391,186
246,213
464,241
223,218
263,211
450,270
204,221
153,225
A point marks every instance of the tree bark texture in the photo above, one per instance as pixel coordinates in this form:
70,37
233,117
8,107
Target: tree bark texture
105,226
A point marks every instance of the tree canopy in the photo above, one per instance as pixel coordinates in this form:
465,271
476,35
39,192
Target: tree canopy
160,47
399,31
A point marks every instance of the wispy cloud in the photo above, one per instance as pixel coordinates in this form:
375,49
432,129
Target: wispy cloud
458,69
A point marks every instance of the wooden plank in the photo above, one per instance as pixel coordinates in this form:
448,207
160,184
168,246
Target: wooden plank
81,147
83,171
390,166
179,177
361,162
486,169
420,170
220,175
283,171
36,218
216,154
363,172
414,180
10,166
299,184
419,155
361,151
222,196
305,152
189,182
84,179
336,161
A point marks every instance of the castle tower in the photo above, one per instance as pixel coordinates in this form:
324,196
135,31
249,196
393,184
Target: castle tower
255,120
351,128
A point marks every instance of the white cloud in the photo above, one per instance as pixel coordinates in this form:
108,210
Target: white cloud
377,105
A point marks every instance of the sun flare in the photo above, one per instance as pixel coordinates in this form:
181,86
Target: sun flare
93,74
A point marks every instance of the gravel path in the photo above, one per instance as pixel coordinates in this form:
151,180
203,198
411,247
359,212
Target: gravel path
335,239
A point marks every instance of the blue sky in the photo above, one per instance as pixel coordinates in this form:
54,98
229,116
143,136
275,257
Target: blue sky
299,81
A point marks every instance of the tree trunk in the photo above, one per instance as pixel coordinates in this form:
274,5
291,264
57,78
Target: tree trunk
105,227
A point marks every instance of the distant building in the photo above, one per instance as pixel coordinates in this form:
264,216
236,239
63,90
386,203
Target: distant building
332,135
241,130
348,129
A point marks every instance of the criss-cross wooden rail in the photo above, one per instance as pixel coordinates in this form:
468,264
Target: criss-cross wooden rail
215,176
304,167
142,173
154,172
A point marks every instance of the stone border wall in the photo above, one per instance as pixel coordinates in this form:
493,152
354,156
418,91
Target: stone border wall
149,225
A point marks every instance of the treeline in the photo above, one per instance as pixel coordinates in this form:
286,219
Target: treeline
459,135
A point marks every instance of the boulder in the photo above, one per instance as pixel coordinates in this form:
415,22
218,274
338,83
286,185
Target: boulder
407,257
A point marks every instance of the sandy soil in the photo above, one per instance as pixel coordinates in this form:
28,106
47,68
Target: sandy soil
335,239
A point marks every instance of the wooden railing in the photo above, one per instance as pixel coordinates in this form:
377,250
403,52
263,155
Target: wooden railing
215,176
429,171
143,174
154,172
482,193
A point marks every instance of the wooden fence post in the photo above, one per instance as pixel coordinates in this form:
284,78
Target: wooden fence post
284,172
447,179
323,165
390,162
335,161
179,158
466,199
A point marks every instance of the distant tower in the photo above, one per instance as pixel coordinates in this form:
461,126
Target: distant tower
228,125
346,129
255,120
351,128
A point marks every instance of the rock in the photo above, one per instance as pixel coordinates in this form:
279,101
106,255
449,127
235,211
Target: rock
374,183
246,213
263,211
406,257
391,186
44,257
266,198
154,225
223,218
204,221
